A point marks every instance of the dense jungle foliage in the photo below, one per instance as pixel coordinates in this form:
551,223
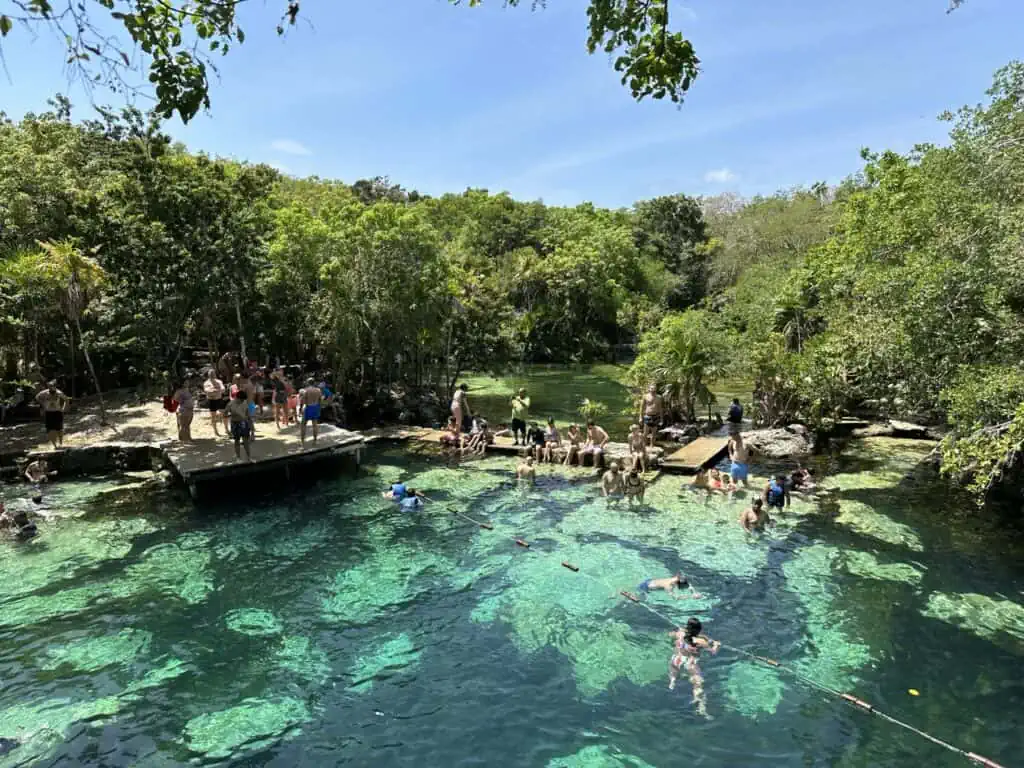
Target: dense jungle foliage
898,293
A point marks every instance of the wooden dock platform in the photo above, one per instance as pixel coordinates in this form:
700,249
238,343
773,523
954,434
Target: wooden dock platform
699,453
214,459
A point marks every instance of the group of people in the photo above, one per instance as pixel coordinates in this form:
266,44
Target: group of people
17,524
235,406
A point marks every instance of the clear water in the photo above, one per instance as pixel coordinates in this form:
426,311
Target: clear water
327,628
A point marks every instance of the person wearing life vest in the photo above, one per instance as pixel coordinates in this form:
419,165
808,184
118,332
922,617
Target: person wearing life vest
776,493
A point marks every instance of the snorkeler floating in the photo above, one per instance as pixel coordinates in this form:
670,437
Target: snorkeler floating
670,584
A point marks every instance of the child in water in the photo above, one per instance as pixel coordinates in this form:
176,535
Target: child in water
689,642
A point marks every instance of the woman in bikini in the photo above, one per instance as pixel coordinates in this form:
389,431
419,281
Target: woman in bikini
689,643
634,487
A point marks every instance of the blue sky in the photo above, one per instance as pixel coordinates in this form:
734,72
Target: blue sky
440,97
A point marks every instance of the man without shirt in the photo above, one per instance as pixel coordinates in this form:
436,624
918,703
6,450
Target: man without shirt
310,396
54,403
651,411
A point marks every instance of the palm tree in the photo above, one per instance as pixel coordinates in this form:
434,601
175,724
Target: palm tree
72,279
688,356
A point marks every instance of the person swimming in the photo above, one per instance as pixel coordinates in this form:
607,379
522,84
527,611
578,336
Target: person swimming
397,492
688,644
412,500
670,585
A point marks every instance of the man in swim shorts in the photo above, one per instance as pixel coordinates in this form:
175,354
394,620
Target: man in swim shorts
670,585
651,410
54,403
310,396
739,455
597,439
755,518
526,470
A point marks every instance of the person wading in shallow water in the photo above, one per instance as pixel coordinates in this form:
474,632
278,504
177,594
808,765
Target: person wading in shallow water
689,643
54,403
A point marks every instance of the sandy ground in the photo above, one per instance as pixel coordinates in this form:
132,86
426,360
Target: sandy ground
131,419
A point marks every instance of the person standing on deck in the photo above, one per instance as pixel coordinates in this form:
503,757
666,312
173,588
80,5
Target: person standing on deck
309,396
241,426
460,408
54,403
652,409
186,411
739,456
279,385
735,417
213,388
520,413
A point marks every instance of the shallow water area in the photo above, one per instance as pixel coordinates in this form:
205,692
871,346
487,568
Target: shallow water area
327,627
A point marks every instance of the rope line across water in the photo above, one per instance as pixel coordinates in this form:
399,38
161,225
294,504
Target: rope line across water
850,698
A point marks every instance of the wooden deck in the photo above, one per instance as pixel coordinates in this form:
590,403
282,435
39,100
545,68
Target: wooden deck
214,458
699,453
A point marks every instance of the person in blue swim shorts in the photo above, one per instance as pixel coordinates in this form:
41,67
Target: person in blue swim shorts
309,397
670,585
739,455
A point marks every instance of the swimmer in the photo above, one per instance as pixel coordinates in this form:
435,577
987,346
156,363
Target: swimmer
38,472
803,479
689,643
715,480
755,518
397,492
412,500
526,470
671,585
611,481
634,486
776,493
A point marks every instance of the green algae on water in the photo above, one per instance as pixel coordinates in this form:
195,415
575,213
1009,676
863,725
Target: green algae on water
836,657
867,566
388,577
299,656
397,654
42,726
981,615
156,677
91,654
599,756
253,621
253,724
753,690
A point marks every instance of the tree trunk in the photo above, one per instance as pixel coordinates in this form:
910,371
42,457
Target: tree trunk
71,351
241,333
92,372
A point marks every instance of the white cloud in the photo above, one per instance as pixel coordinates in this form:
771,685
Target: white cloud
289,147
720,176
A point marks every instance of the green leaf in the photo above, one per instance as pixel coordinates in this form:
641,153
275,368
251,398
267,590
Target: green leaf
5,26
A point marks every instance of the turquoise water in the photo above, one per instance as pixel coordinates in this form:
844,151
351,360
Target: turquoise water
327,628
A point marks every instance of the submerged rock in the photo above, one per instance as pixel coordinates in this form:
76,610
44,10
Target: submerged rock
253,724
781,443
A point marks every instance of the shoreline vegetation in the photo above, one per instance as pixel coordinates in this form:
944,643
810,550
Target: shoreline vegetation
128,262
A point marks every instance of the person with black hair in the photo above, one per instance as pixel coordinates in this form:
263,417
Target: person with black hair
689,643
54,404
755,518
239,419
670,584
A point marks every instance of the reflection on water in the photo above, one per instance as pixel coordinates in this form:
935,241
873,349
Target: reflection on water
328,627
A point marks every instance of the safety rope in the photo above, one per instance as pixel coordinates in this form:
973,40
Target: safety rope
859,703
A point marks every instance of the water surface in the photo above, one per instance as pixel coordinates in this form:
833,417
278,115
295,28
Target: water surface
327,628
